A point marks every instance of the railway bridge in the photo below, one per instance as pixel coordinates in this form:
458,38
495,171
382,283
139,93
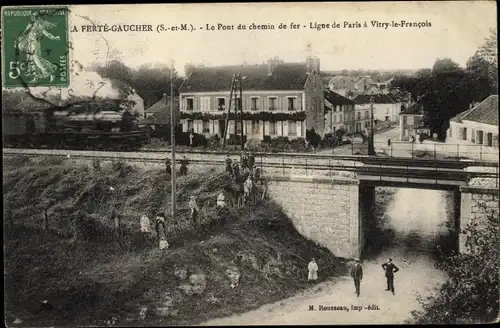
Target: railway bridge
330,198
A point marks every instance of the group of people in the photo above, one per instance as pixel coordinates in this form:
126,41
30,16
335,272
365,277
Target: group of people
356,273
389,268
183,169
244,175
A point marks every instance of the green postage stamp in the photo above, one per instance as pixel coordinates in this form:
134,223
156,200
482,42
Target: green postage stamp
35,47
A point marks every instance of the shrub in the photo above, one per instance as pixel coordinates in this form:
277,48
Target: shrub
313,138
471,293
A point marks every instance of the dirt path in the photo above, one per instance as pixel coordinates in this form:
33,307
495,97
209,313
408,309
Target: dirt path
423,218
393,309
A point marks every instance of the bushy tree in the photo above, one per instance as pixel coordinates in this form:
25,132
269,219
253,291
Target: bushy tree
470,294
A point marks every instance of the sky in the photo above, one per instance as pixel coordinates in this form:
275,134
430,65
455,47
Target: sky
457,29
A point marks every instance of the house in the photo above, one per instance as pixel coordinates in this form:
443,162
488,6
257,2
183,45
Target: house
411,122
278,99
341,84
477,125
384,86
157,117
385,108
339,112
363,84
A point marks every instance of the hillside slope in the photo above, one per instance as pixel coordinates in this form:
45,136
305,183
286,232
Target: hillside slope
91,280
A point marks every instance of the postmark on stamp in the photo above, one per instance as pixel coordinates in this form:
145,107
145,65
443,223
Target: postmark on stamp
35,49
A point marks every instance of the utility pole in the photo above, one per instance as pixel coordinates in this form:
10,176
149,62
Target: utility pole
371,144
172,140
226,126
240,80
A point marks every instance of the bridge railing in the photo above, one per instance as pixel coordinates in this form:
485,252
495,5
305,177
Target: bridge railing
376,171
425,150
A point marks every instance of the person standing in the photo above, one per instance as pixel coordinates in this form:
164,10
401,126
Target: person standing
117,227
229,167
251,161
191,139
313,270
390,269
248,189
193,206
357,275
160,222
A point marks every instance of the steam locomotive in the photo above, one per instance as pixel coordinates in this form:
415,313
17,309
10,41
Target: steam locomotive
82,125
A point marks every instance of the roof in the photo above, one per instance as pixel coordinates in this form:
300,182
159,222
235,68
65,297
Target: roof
336,99
415,109
486,112
161,110
162,105
377,99
287,76
458,118
31,104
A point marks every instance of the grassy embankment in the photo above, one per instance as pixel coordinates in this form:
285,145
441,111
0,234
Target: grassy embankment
90,280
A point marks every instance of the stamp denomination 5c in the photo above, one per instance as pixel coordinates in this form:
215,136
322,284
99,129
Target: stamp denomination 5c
35,47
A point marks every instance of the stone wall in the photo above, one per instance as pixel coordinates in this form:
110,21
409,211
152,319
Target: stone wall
323,209
477,201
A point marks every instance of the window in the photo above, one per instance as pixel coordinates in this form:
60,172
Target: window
189,103
272,103
464,136
291,103
221,103
480,137
205,104
405,120
190,126
489,139
292,128
449,132
272,128
410,120
340,118
473,135
253,103
359,116
206,126
367,115
255,127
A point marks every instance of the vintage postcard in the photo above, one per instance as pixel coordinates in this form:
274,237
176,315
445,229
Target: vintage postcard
250,164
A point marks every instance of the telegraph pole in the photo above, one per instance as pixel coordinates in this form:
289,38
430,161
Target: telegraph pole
371,144
240,80
172,140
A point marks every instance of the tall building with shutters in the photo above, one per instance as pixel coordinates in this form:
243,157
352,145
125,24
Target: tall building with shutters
278,99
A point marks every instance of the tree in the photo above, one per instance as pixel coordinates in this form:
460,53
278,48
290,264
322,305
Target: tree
485,62
471,293
444,65
489,50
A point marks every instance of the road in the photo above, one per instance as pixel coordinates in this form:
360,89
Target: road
416,225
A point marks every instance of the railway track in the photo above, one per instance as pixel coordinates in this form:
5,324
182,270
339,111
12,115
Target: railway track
295,164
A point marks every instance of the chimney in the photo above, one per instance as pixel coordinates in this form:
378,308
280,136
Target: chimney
271,65
309,64
316,66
